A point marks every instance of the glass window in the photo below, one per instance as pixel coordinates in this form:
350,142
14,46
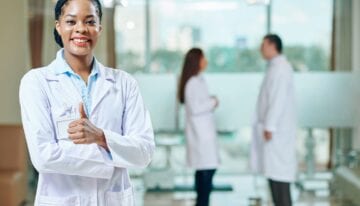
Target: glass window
130,36
228,31
305,27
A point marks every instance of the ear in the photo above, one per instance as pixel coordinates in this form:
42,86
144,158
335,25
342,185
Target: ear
100,29
57,27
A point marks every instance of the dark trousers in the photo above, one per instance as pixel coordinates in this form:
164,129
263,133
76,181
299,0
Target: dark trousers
280,192
203,186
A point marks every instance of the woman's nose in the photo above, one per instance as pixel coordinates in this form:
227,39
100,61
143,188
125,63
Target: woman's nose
80,27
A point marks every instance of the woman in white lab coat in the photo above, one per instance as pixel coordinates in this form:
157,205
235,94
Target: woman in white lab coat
201,143
85,124
274,132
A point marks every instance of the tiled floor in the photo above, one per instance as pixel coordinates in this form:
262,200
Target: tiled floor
243,189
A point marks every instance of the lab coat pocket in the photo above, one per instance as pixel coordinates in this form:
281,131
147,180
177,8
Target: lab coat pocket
58,201
123,198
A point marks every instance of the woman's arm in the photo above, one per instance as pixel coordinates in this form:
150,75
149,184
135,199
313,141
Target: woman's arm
133,148
194,98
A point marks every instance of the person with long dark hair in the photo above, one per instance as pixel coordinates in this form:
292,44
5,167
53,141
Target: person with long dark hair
201,143
85,124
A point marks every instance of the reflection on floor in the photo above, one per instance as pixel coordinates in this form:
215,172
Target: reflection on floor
244,188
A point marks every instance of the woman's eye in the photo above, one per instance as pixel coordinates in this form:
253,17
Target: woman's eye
70,22
91,22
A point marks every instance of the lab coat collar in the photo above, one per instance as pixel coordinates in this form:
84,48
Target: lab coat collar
277,59
107,73
60,66
105,81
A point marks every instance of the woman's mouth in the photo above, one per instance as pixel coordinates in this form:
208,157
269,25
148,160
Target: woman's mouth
80,42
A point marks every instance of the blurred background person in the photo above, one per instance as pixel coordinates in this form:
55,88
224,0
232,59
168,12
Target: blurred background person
200,130
274,135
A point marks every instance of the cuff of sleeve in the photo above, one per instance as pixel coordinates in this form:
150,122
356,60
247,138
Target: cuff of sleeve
109,136
109,140
106,155
130,157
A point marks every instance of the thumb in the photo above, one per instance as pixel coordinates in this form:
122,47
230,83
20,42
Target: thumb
82,110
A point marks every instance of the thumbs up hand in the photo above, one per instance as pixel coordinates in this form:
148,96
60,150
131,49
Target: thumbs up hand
82,111
82,131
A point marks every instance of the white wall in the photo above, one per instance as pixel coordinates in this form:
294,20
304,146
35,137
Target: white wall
13,57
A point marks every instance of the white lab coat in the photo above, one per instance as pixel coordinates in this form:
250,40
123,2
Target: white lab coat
85,174
276,158
201,142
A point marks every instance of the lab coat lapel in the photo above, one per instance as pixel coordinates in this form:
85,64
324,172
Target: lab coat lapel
64,87
68,88
106,81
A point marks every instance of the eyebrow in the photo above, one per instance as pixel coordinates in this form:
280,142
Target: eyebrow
87,16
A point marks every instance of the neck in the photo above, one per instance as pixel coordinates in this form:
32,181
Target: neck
81,65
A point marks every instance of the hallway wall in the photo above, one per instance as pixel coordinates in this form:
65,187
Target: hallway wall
13,56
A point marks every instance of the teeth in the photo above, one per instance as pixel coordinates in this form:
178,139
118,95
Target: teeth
80,40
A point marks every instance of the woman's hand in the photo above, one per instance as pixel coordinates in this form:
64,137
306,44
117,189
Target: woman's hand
216,101
82,131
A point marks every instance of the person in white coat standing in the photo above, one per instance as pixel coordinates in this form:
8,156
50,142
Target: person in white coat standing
201,139
85,124
274,132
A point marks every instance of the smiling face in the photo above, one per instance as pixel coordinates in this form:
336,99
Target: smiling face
79,27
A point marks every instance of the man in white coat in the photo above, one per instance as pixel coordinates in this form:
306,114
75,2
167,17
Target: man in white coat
274,132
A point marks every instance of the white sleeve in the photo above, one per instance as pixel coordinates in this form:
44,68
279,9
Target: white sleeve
194,98
47,154
133,148
277,94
